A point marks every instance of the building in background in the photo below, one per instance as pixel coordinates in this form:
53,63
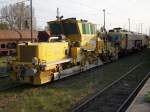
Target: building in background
9,40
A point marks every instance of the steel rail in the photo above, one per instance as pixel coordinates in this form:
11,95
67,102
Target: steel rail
106,88
9,87
128,101
4,76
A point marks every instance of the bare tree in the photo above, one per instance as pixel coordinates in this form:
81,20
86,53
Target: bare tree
18,17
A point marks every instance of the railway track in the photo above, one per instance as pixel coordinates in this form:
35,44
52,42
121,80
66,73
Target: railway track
4,76
10,86
117,96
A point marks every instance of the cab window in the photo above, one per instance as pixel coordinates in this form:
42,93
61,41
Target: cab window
92,29
86,28
55,28
70,28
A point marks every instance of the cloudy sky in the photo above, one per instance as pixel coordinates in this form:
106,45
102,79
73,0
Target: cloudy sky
117,11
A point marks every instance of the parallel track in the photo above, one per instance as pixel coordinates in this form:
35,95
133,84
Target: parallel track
128,101
115,97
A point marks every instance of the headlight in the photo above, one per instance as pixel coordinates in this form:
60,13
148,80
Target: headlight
35,61
42,65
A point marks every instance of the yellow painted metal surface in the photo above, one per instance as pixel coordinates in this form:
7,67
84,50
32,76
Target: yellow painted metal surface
100,45
74,38
88,42
76,54
42,78
123,43
51,52
80,27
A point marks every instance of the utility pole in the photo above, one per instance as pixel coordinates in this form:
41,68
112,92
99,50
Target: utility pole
31,20
129,23
138,28
149,30
104,19
141,28
104,28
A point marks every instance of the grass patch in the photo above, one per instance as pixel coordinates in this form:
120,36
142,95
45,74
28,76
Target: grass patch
2,60
147,97
3,67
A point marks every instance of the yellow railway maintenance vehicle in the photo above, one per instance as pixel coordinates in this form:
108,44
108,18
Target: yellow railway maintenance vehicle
74,47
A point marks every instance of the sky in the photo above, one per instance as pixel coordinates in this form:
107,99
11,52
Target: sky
117,12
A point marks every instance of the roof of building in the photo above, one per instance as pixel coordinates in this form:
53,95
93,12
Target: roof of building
13,35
